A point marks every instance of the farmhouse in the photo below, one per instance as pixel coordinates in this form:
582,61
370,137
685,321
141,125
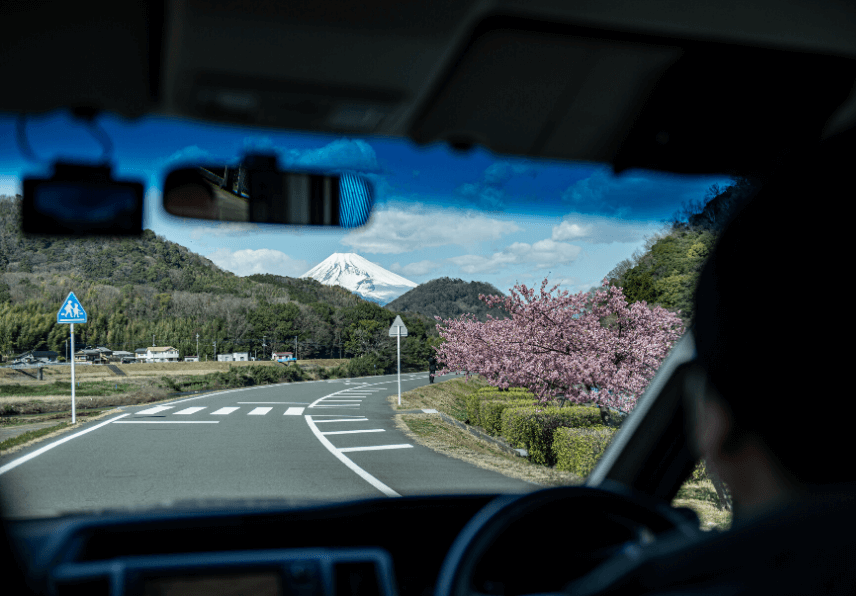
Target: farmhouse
157,354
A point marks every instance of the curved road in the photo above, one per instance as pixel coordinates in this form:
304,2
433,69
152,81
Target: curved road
318,440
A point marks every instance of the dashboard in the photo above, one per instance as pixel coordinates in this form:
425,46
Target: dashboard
378,547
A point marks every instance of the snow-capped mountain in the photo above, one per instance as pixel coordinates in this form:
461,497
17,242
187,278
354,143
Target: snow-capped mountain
354,273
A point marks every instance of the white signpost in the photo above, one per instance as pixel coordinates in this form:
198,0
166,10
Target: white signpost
398,330
69,313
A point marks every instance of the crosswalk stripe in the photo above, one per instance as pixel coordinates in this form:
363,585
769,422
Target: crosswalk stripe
373,448
294,411
259,411
224,411
155,410
190,410
342,420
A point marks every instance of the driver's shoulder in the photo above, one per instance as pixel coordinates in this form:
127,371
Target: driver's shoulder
804,548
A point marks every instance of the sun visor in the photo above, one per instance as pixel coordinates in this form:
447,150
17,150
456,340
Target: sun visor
288,104
524,87
536,88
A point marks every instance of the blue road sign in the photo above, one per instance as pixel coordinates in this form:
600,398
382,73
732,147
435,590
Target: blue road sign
71,311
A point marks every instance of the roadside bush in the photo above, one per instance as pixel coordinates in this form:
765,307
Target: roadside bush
366,366
477,398
577,450
532,427
492,389
490,413
699,472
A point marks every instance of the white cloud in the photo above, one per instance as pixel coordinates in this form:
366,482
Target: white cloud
200,232
192,153
264,260
542,254
395,230
348,154
416,269
589,190
570,231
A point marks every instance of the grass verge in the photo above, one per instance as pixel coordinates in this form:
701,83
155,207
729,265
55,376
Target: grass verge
432,431
34,436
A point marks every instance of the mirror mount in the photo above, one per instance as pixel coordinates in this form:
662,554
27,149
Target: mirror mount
82,200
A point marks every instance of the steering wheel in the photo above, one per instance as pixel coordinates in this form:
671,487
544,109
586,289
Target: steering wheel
637,514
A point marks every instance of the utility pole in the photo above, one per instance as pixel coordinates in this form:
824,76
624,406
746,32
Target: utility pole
295,347
215,351
264,345
197,346
153,340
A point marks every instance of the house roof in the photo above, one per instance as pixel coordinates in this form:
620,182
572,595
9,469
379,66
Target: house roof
161,349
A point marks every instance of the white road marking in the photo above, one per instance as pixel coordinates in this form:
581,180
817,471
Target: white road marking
154,410
345,460
342,420
299,403
347,432
168,422
259,411
187,411
430,411
294,411
336,406
374,448
224,411
17,462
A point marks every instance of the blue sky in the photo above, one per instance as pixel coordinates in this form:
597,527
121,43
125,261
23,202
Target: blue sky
474,216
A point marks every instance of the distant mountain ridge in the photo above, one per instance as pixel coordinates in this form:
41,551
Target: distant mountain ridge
361,276
448,298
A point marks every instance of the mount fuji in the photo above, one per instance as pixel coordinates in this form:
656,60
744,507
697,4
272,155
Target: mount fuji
364,278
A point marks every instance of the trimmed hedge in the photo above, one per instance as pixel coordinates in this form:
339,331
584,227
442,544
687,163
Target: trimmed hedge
532,427
473,401
492,389
490,412
578,449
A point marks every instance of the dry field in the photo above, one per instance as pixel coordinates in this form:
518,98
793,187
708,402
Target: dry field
138,371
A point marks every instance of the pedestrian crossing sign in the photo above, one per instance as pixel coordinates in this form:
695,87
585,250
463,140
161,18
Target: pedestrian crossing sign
71,311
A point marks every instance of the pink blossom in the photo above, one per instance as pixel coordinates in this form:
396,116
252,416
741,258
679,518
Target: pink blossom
544,348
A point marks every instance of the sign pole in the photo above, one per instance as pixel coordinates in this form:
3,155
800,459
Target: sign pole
73,417
398,330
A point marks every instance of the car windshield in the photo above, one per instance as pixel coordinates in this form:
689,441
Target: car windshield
234,360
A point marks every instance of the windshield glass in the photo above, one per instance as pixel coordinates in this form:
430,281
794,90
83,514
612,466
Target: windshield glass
251,361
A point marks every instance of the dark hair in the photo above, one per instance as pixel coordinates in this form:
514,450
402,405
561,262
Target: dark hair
772,315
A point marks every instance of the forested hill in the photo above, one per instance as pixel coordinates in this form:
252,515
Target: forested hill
666,272
137,288
448,298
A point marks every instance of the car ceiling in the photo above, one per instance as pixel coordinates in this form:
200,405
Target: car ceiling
688,87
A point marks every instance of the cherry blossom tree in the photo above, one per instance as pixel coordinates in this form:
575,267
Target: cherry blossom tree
558,345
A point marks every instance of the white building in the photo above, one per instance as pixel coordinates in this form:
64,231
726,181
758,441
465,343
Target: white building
191,358
234,357
157,354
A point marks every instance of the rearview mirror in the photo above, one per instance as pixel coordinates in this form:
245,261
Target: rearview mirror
257,191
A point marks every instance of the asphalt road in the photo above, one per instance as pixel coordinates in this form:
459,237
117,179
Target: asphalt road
321,440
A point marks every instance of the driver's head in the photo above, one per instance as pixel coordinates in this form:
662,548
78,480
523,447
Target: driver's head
773,333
